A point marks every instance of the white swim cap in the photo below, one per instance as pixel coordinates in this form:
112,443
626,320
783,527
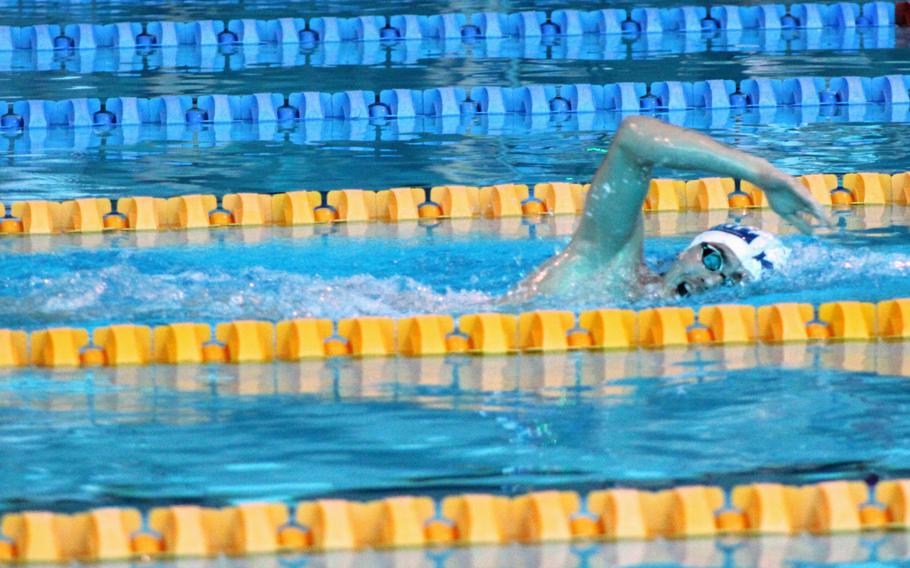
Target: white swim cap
755,249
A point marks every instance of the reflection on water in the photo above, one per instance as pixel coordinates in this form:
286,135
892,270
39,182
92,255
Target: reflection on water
341,66
26,13
218,434
127,394
871,549
559,375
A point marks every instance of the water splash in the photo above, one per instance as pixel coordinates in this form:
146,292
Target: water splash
364,278
124,293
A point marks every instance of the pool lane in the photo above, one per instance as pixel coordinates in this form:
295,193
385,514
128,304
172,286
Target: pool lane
215,435
417,65
321,155
107,72
275,274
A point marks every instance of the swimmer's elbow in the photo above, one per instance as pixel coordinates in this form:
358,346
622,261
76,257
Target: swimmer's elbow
635,121
636,124
632,130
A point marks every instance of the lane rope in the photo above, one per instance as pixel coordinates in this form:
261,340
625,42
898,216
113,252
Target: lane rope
413,204
319,525
536,24
555,101
435,335
32,143
188,59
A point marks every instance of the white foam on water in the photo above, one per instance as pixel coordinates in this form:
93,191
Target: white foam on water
122,292
128,291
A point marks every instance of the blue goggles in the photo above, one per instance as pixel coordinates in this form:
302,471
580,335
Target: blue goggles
712,258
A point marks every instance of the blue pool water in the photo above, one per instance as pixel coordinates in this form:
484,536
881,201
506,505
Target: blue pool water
277,274
427,64
290,431
215,435
213,67
360,429
168,162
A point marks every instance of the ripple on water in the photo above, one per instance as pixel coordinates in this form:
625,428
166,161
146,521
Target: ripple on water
280,280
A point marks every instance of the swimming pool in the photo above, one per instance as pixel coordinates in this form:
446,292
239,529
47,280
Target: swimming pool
658,430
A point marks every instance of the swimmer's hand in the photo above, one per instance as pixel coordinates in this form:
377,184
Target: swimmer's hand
792,200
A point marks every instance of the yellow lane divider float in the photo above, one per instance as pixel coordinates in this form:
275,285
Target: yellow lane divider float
433,335
471,519
415,203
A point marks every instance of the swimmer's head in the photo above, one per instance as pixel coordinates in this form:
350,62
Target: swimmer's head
726,254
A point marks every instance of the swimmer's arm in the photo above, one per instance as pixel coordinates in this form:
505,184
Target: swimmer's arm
612,216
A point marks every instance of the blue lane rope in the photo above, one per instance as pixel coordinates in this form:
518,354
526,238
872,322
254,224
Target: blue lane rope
527,24
529,100
213,58
305,132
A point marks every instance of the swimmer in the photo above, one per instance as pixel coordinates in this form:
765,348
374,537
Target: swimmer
606,249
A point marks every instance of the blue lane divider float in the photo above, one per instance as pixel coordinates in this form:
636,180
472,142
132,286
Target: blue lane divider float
528,24
120,137
215,58
457,101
